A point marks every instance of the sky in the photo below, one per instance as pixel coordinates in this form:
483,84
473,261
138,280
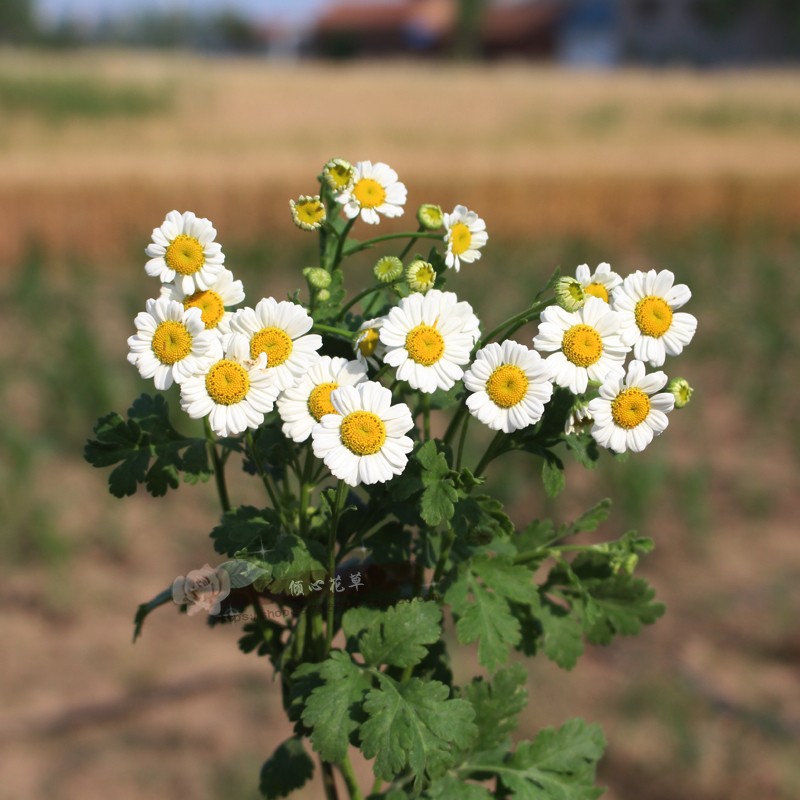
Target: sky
289,11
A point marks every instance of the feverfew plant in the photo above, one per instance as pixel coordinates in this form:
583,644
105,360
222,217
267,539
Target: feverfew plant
376,530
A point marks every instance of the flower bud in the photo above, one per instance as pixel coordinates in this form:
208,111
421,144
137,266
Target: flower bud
338,174
430,217
388,269
679,388
569,293
420,276
308,213
323,295
317,277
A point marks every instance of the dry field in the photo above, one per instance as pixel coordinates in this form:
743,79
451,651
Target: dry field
698,172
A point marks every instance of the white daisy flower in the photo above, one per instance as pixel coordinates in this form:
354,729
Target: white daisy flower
305,404
375,190
212,302
465,235
586,343
511,385
600,283
646,303
279,329
368,347
183,250
429,338
364,441
234,394
628,413
171,343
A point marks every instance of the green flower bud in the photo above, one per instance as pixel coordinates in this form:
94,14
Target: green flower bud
679,388
308,213
569,293
323,295
317,277
338,174
430,217
388,269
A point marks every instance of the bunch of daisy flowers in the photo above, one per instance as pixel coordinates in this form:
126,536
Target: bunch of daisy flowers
329,401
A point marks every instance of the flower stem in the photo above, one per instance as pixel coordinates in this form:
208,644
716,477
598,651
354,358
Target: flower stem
349,776
219,468
411,241
339,252
341,494
461,440
333,331
328,780
426,417
515,322
447,546
357,248
276,504
359,296
490,454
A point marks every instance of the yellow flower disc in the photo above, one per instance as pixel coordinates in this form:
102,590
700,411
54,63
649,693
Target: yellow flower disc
339,174
171,342
212,309
363,433
630,408
507,385
582,345
425,345
369,342
597,290
653,316
460,238
276,343
319,401
227,382
185,255
369,193
308,212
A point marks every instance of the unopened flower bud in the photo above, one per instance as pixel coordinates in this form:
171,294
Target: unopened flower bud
388,269
317,277
421,276
430,217
569,293
323,295
338,174
308,213
679,388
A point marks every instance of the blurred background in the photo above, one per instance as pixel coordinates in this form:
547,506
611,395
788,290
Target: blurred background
648,133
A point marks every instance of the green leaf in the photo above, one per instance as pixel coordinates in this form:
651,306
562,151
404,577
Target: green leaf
589,520
553,474
491,582
448,788
584,447
244,528
562,634
287,558
333,710
146,449
242,573
401,634
439,496
559,764
414,726
497,705
286,770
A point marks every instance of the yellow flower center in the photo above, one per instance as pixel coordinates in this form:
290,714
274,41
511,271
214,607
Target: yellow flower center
276,343
425,345
185,255
212,309
653,316
363,433
171,342
310,212
597,290
368,342
227,382
319,401
582,345
460,238
507,385
630,408
421,276
340,175
369,193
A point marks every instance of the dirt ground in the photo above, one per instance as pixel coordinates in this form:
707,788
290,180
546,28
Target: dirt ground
703,705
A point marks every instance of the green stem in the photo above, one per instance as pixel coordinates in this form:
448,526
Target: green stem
490,453
328,780
305,490
346,768
426,417
341,494
376,785
461,440
358,297
219,468
333,331
454,423
447,546
339,252
276,504
357,248
410,244
518,320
